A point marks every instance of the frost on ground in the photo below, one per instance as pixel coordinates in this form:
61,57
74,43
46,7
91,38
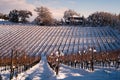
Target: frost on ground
42,71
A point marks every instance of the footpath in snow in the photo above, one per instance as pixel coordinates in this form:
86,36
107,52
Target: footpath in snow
42,71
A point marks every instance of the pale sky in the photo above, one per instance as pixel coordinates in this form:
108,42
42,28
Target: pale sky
57,7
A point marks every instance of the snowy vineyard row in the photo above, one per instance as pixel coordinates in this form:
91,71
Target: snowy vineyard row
22,46
37,40
85,60
17,63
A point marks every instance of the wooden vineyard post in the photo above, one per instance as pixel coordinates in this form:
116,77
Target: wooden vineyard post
11,65
0,63
118,60
57,62
0,68
25,61
16,62
81,59
92,51
92,63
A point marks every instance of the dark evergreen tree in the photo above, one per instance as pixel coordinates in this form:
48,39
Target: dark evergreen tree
19,15
14,16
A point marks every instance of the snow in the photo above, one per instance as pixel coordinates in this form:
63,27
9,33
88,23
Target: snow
42,71
38,72
5,75
35,42
39,39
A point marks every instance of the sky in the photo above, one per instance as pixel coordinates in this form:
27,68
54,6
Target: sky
57,7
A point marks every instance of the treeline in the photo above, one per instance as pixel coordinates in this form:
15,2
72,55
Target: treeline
104,19
70,17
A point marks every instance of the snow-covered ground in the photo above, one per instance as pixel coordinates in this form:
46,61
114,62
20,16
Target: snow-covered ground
36,40
42,71
44,39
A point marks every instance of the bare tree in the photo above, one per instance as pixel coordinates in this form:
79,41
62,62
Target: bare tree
119,16
23,15
1,15
103,19
4,16
44,16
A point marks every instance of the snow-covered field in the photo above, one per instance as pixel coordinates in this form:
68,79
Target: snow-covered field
36,40
42,71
